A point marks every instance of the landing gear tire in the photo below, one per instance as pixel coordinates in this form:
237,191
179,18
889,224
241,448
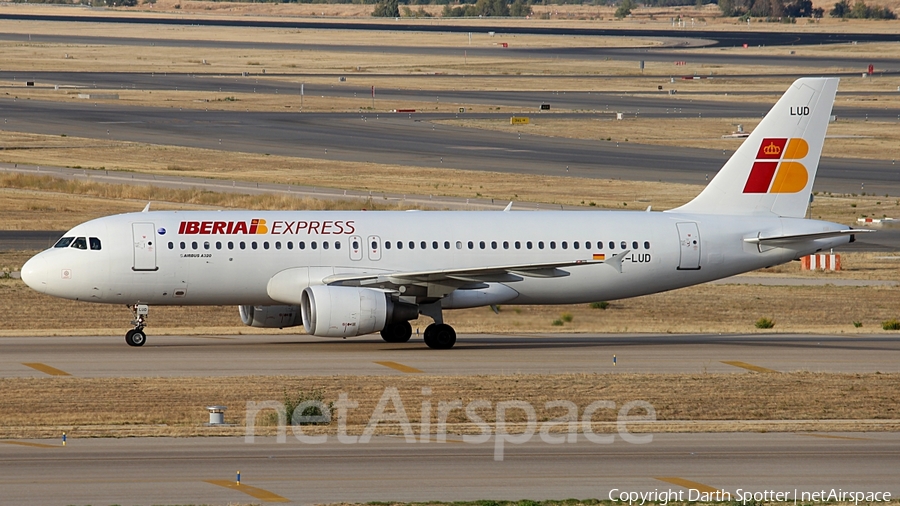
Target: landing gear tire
135,337
397,332
440,336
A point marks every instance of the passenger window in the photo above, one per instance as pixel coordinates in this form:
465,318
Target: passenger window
552,244
277,244
324,244
356,244
458,244
63,242
575,245
171,245
599,244
79,243
481,244
230,245
518,245
634,245
540,244
446,244
205,244
253,245
301,245
528,244
265,244
624,244
218,245
493,244
505,244
387,244
471,245
565,245
314,245
399,245
95,243
612,245
243,245
337,244
412,245
181,245
423,245
646,244
434,245
290,245
194,245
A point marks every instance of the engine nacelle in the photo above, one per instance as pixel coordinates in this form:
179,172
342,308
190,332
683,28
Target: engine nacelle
345,311
270,317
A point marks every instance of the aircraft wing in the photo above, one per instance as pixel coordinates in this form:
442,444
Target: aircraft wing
458,277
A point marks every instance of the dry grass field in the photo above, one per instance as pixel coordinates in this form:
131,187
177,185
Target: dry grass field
848,138
707,17
95,407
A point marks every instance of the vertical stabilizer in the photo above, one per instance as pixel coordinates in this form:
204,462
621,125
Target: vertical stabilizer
774,169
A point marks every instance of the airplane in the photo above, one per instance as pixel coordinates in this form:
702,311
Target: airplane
350,273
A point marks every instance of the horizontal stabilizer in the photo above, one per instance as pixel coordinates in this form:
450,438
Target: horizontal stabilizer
797,238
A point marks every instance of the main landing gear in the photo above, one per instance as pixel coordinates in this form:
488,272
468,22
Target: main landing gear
440,336
136,336
397,332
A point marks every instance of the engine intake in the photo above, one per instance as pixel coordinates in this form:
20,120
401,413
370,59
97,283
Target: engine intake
270,317
346,311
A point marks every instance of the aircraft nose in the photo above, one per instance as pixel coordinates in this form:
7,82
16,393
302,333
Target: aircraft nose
34,273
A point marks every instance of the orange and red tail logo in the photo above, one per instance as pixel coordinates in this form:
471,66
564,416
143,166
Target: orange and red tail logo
774,170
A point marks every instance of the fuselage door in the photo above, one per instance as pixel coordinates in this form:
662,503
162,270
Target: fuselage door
144,235
374,244
356,246
689,237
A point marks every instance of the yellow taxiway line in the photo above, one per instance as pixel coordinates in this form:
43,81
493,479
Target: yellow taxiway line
46,369
681,482
400,367
35,445
749,367
258,493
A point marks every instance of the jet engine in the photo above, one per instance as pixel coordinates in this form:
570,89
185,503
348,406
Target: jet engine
345,311
270,317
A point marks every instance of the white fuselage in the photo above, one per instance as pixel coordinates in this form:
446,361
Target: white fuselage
207,258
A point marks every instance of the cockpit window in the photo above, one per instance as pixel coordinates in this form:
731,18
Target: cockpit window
95,243
79,243
63,242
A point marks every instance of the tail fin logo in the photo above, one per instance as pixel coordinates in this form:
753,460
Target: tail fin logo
775,170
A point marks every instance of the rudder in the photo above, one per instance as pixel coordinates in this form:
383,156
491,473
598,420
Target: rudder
774,169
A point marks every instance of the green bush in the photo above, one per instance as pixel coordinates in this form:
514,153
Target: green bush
765,323
557,323
292,402
599,305
892,324
857,324
567,317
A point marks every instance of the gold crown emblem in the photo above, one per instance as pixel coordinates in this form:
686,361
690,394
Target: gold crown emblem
772,149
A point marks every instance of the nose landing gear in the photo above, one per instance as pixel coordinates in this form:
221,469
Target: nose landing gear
136,336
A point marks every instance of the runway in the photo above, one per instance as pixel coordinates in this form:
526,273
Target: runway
649,103
723,38
176,356
411,140
203,470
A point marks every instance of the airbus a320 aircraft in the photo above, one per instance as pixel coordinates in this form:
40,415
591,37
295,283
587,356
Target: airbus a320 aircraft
342,274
